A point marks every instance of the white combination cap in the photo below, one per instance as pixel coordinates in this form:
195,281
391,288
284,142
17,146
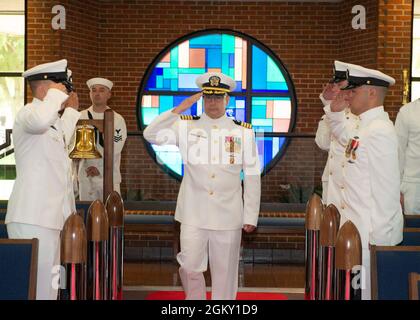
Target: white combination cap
56,71
215,83
359,76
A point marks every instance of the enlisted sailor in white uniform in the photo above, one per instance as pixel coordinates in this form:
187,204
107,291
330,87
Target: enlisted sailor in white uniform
332,178
407,126
42,196
91,172
370,195
210,207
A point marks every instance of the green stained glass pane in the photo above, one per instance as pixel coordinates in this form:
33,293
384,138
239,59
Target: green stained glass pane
225,63
231,73
273,72
174,57
171,73
191,70
262,122
228,44
259,101
149,114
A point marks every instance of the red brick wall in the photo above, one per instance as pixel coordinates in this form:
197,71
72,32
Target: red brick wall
394,46
119,39
77,43
300,34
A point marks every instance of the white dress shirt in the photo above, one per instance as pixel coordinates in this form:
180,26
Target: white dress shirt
370,194
42,194
214,151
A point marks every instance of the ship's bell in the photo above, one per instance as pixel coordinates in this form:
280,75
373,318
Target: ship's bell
85,146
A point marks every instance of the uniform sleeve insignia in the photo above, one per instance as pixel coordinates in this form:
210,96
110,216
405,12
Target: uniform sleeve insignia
243,124
188,117
118,136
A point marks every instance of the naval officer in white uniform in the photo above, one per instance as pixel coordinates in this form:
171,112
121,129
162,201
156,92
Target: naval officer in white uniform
371,190
91,171
407,125
212,205
42,199
332,178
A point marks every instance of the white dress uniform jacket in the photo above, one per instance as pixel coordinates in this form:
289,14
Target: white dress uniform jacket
91,188
42,194
332,178
370,194
407,126
214,151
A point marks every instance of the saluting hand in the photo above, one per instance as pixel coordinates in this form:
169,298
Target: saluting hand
330,91
248,228
58,86
187,103
340,102
72,101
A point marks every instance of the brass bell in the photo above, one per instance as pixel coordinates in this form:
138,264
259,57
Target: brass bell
85,146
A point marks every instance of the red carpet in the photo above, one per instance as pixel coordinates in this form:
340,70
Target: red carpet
179,295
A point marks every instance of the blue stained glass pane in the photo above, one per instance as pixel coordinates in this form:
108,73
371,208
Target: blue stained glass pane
214,58
262,128
187,81
259,67
231,60
159,82
268,150
208,40
238,86
167,84
240,114
166,103
178,100
259,112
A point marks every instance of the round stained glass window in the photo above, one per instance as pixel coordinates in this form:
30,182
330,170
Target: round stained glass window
264,94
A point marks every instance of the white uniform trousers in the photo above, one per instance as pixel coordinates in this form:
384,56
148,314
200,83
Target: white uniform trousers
88,193
325,192
366,279
411,193
48,255
218,247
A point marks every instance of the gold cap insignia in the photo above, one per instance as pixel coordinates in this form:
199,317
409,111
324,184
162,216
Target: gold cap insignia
214,81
